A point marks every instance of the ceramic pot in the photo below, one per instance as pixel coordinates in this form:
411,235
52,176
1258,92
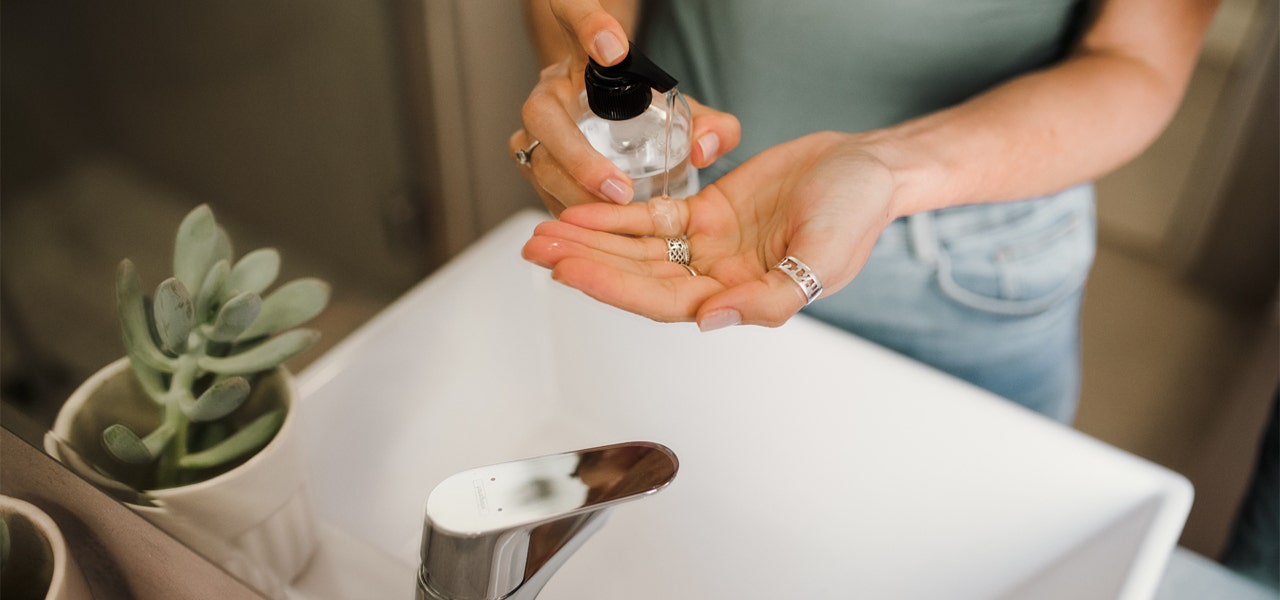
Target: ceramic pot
254,518
39,564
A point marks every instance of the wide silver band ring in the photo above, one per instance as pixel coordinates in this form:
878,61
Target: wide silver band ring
524,156
678,251
803,276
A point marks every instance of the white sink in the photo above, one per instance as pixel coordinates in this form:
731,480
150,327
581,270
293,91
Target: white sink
813,464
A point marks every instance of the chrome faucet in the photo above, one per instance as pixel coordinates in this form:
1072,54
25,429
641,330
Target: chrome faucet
500,532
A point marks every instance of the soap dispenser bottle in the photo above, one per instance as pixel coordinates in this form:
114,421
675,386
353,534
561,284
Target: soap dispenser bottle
634,116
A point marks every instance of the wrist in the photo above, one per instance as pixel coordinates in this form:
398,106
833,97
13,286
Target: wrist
920,177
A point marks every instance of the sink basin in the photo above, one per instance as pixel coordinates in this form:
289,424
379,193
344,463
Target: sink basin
814,464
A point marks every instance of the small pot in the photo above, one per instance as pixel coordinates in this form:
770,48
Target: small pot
254,518
39,564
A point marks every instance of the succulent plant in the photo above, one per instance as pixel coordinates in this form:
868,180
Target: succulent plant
198,343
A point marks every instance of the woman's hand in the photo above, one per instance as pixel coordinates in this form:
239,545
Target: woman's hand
823,199
564,168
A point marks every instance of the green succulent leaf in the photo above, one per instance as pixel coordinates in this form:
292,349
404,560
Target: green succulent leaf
293,304
254,436
174,315
152,380
197,247
218,401
211,290
255,271
235,316
222,246
127,447
134,326
267,355
210,434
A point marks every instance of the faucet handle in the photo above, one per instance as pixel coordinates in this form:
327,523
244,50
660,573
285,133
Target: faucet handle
491,530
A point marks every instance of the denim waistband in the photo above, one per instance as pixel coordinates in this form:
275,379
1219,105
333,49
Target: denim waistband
922,233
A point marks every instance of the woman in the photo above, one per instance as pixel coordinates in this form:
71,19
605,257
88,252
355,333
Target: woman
940,152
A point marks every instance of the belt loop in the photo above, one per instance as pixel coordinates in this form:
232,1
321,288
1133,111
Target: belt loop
924,240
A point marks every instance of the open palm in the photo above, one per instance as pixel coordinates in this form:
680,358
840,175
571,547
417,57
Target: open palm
821,198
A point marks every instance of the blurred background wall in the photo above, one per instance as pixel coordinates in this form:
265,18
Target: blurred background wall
340,132
1180,319
367,140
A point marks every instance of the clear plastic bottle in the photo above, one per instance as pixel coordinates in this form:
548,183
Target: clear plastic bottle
633,114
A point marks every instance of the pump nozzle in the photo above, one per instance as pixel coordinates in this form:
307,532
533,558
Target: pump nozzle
621,92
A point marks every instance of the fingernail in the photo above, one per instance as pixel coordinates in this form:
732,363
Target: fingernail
608,47
616,190
710,144
719,319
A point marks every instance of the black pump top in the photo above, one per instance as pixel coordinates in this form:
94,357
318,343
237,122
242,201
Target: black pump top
621,92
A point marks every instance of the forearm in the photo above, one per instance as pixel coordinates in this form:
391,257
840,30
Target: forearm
549,39
1053,128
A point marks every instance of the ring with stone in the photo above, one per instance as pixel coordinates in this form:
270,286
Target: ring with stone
803,276
678,251
524,156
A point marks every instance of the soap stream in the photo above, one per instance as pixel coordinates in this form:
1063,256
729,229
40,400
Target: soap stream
666,145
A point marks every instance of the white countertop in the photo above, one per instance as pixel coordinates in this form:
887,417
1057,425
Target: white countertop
878,478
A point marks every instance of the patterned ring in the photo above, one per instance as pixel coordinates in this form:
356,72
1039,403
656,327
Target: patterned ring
803,276
678,251
524,156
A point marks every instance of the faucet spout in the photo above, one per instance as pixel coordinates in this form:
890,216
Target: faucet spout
499,532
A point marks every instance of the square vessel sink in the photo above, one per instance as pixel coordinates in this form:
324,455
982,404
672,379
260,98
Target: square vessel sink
814,464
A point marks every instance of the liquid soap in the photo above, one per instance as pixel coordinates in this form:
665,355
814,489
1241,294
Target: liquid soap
633,114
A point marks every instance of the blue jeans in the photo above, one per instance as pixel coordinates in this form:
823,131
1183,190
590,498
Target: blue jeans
989,293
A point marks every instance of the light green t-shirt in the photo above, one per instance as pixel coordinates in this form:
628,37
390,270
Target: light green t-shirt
790,67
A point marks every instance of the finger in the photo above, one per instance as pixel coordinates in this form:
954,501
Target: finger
659,217
649,269
665,299
552,181
715,133
769,301
597,31
553,241
633,248
550,193
547,252
548,120
773,298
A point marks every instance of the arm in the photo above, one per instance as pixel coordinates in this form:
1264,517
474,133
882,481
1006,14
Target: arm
1047,130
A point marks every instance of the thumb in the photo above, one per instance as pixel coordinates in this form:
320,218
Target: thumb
597,31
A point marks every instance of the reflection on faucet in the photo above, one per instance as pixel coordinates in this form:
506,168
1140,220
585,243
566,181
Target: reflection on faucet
500,532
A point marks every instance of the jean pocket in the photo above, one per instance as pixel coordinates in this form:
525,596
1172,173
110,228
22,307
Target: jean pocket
1023,267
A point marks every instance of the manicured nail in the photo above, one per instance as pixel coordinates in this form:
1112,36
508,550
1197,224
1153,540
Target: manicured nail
710,144
719,319
616,190
608,47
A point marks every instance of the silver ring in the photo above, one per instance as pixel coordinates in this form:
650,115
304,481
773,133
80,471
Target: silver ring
524,156
678,251
692,272
803,276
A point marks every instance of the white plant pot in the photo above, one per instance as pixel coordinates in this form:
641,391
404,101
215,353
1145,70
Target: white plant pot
254,520
39,551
